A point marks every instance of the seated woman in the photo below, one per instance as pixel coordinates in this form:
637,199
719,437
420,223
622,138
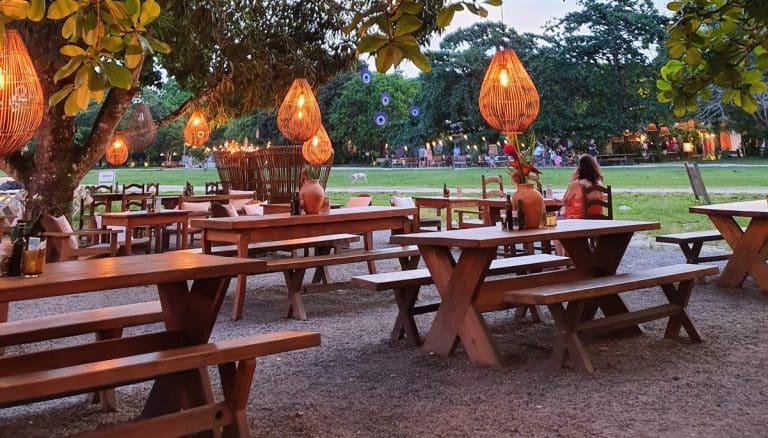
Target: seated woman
586,174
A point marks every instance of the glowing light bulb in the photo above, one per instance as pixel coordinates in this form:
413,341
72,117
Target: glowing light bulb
301,101
196,121
504,77
315,141
300,115
2,78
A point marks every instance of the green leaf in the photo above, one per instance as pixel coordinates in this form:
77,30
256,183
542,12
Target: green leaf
413,53
96,80
445,17
132,7
158,46
407,24
371,43
762,61
150,10
69,27
387,56
60,95
663,85
493,2
410,7
72,50
749,103
67,69
118,75
62,8
674,6
693,56
112,43
36,10
133,52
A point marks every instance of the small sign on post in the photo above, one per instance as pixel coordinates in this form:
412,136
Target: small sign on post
106,177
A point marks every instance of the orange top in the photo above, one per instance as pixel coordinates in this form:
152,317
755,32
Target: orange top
574,203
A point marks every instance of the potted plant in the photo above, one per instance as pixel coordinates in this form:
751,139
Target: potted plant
527,200
311,193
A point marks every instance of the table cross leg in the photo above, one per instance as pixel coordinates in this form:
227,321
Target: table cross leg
236,382
750,251
294,279
521,311
567,345
106,397
321,274
680,296
457,317
405,324
176,392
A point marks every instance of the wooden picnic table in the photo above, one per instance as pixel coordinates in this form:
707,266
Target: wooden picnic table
243,230
143,218
439,203
464,291
190,313
492,208
750,251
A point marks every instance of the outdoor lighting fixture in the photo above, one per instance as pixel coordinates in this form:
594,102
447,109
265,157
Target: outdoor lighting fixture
687,147
117,151
318,149
508,99
298,117
664,131
196,132
140,130
21,97
651,127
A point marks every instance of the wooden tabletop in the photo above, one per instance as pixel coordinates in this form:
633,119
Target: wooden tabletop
487,237
745,209
501,202
284,219
118,272
143,213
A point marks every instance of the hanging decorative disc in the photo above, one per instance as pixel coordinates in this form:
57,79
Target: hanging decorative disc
380,118
365,76
139,130
385,98
415,111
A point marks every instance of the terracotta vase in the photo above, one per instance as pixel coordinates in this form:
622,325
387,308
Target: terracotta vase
312,195
531,206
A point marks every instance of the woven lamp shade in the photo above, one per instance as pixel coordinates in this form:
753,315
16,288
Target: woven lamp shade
21,97
298,118
651,127
664,131
508,100
196,131
117,152
140,130
318,149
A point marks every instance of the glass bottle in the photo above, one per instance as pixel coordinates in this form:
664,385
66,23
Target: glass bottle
519,215
295,206
6,248
446,193
507,225
19,245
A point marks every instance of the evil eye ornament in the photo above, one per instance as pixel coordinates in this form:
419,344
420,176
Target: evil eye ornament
380,118
415,111
365,75
385,98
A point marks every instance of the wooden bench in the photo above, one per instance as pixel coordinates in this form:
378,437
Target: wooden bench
106,323
406,285
320,242
294,269
57,373
584,297
692,242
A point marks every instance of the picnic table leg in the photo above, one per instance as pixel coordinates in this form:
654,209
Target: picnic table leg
405,324
128,236
321,274
159,239
106,397
236,383
294,279
457,318
750,251
448,217
680,295
239,303
368,245
183,234
567,344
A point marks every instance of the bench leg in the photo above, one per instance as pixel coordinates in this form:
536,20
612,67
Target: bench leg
521,311
680,295
368,245
692,251
321,275
409,263
165,396
567,345
293,281
106,397
405,325
614,305
236,384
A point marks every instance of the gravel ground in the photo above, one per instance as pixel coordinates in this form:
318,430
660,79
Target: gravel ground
359,384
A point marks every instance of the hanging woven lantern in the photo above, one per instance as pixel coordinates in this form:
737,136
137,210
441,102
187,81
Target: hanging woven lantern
196,132
651,127
298,118
508,100
117,152
318,149
140,130
21,97
664,131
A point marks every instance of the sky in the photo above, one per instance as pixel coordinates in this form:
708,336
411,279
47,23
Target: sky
522,15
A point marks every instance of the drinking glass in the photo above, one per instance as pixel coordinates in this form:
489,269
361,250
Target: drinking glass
32,262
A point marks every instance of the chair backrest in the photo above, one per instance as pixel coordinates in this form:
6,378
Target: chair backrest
212,188
136,201
102,188
362,200
597,206
133,188
153,188
493,186
697,184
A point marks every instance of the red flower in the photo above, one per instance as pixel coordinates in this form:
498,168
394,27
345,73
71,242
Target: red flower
510,149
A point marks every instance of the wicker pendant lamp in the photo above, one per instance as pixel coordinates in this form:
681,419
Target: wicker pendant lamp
318,149
196,131
117,152
298,118
140,130
651,127
21,97
508,100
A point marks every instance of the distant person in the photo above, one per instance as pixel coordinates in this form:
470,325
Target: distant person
400,152
422,155
592,148
456,150
429,157
538,154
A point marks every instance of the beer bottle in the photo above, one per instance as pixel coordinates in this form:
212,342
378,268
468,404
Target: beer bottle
507,223
17,251
446,193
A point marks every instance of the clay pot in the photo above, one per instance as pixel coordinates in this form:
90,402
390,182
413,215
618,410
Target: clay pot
312,195
531,206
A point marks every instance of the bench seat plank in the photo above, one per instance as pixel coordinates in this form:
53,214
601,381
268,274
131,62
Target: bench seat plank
608,285
78,323
691,236
42,384
346,257
282,245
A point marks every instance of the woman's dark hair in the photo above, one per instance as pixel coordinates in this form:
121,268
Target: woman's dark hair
589,170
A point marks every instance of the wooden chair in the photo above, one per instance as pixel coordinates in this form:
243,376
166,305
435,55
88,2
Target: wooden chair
492,187
136,201
133,188
697,184
604,200
361,200
407,201
153,188
213,188
63,243
101,201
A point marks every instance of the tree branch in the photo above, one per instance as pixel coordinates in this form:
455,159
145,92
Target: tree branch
184,107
